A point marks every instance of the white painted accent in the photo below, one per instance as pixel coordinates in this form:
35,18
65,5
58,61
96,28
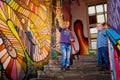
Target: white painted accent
1,41
5,64
3,52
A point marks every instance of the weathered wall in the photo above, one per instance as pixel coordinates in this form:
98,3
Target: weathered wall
79,14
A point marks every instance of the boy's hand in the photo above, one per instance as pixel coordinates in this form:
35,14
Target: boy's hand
72,40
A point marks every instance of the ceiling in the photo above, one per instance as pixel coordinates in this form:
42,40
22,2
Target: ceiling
90,2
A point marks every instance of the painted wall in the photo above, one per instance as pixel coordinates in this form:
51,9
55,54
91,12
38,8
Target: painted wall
114,21
114,14
79,12
25,34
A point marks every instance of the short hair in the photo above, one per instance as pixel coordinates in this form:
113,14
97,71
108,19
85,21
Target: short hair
105,23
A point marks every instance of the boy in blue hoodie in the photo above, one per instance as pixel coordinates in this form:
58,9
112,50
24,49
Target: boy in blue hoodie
102,47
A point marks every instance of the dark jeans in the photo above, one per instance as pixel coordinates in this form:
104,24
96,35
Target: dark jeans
103,59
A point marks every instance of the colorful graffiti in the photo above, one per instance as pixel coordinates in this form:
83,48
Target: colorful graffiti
25,28
83,41
114,36
114,14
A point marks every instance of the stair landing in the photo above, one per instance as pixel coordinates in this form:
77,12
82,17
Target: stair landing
83,68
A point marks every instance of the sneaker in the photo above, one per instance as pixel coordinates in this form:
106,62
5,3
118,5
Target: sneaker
63,69
101,69
106,68
97,66
68,68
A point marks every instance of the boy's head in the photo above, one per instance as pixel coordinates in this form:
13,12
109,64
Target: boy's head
105,25
99,26
66,24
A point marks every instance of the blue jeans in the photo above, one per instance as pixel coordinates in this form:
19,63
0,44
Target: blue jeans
103,59
65,50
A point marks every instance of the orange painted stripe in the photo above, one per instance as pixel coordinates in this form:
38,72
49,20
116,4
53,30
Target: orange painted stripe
5,30
47,48
15,42
22,58
22,63
4,57
2,47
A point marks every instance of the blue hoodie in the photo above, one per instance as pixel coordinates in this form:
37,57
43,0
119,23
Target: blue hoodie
102,40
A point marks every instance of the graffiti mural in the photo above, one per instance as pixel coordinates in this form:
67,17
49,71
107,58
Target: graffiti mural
82,40
25,27
114,36
114,14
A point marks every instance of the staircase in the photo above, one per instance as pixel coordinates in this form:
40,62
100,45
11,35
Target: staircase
83,68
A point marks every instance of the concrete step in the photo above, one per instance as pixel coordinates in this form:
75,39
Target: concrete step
59,58
52,67
83,68
54,62
81,74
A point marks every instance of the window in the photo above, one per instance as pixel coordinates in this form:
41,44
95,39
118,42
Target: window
93,30
93,44
99,8
92,19
91,9
93,33
105,7
106,16
100,18
97,14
